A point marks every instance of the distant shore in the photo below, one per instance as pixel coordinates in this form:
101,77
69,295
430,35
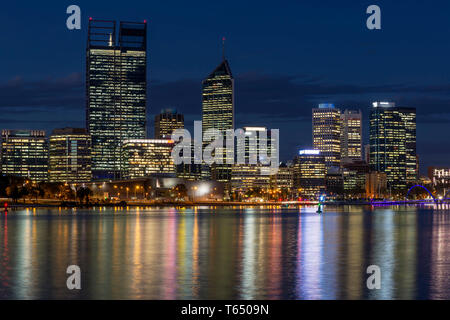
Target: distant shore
136,203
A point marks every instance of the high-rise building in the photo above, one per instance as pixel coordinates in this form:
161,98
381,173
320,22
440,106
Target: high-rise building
393,143
256,151
25,154
145,157
309,173
116,91
351,135
326,125
70,156
166,122
218,113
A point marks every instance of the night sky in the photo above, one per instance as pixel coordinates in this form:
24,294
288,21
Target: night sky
286,57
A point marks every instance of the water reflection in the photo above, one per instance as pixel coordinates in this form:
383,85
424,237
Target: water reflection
225,253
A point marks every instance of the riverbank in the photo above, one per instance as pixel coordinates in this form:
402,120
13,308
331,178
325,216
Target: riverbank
50,203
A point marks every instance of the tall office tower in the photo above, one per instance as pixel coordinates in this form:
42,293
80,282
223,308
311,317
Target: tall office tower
116,91
327,133
144,157
25,154
166,122
255,151
412,161
393,143
70,156
351,135
309,173
218,113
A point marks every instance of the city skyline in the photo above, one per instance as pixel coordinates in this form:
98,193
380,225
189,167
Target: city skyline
286,105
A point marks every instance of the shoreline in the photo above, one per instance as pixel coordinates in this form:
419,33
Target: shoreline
286,204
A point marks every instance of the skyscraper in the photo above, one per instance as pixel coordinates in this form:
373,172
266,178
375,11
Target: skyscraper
25,154
309,173
256,152
327,133
218,113
116,89
351,135
166,122
70,156
393,143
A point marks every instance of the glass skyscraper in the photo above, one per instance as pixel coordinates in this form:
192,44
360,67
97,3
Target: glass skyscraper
218,113
393,143
116,89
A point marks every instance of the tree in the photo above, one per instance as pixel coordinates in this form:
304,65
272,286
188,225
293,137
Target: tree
84,193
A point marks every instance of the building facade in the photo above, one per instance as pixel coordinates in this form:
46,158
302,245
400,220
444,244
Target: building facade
218,113
70,156
116,91
326,125
309,174
351,135
25,154
166,122
376,184
439,176
393,143
146,157
253,155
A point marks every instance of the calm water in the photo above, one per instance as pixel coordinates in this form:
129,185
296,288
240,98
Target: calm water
207,253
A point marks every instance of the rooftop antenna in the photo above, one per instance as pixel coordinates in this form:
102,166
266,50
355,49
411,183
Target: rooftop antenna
223,48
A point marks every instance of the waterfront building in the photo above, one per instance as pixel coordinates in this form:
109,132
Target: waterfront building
439,176
351,135
147,157
246,177
376,184
393,143
309,174
70,156
284,178
25,154
218,113
166,122
334,182
354,174
116,91
326,126
256,151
